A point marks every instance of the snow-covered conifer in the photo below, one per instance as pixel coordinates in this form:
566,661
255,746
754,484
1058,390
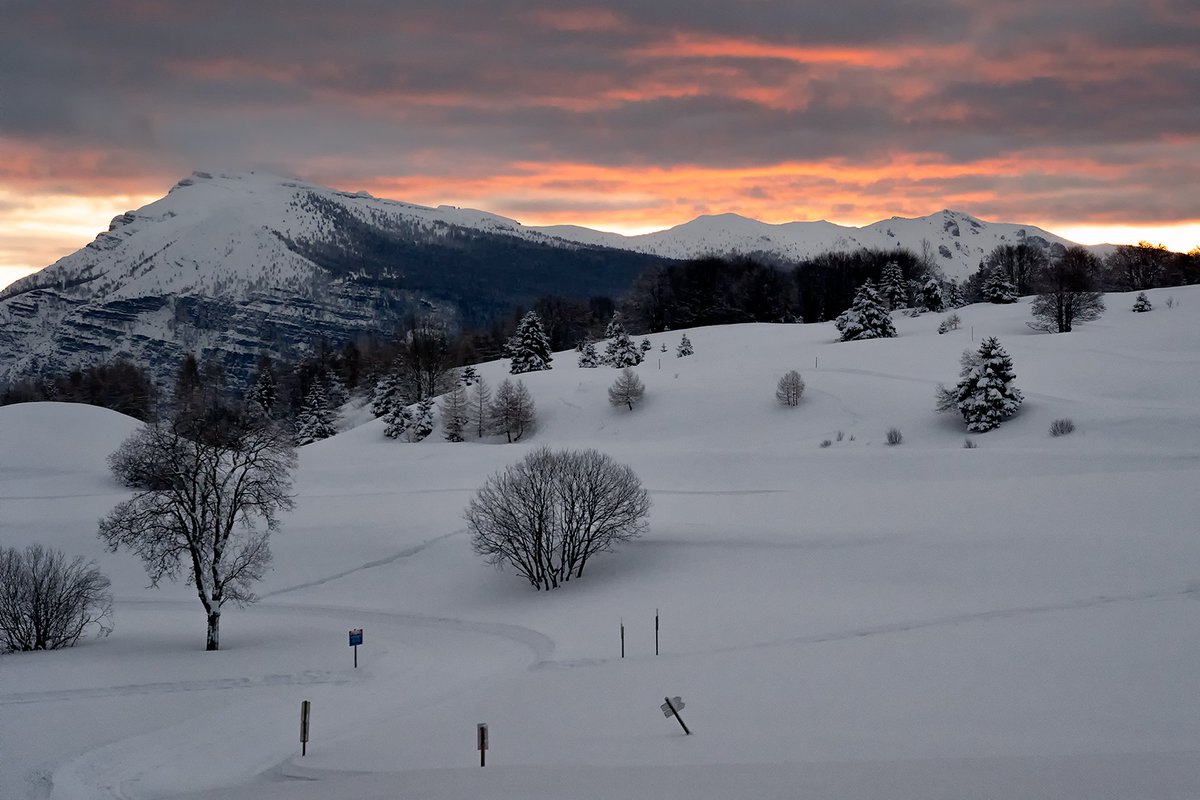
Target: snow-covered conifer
684,348
422,420
931,295
315,420
454,409
385,394
1142,303
529,348
468,376
645,346
998,288
627,389
985,394
615,326
264,394
663,348
588,357
867,318
621,352
790,388
952,296
397,420
893,289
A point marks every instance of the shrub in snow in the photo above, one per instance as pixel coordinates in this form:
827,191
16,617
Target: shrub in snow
826,443
790,388
894,437
685,347
840,435
511,412
1142,303
529,348
48,602
950,323
969,444
985,394
1061,427
627,389
867,318
663,348
549,513
1171,302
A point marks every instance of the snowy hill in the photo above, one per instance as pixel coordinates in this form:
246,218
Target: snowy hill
228,266
846,621
956,242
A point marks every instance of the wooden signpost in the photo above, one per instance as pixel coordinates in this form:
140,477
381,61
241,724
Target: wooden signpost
305,708
481,734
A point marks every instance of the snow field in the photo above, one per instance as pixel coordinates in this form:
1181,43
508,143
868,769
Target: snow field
852,621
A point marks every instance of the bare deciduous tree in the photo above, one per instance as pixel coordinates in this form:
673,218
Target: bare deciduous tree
627,389
1068,293
790,388
546,515
204,507
512,413
47,602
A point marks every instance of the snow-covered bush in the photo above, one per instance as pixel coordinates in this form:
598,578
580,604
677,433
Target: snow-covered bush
1062,427
894,437
1142,303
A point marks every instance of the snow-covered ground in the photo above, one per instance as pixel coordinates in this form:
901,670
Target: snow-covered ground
851,621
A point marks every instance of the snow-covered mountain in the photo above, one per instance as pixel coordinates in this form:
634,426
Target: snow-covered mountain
957,242
228,266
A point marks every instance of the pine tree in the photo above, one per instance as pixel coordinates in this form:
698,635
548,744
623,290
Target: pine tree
931,295
615,326
529,348
264,394
866,318
621,352
469,375
998,287
646,347
479,406
627,389
453,409
386,394
985,394
315,420
952,296
663,348
893,289
685,347
422,420
1142,303
588,357
397,420
512,411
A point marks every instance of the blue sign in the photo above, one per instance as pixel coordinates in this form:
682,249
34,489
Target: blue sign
355,637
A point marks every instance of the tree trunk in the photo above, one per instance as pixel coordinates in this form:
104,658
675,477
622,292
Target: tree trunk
214,631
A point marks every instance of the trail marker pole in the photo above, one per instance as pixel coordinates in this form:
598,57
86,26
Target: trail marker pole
482,736
356,638
656,631
305,708
622,638
816,360
671,708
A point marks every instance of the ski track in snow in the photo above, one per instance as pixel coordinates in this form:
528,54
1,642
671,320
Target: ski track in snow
306,678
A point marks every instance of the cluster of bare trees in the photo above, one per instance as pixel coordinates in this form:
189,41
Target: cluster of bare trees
548,514
48,602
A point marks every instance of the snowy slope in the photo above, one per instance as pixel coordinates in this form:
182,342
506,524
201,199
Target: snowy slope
851,621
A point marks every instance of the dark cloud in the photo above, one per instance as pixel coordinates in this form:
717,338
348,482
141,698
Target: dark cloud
358,90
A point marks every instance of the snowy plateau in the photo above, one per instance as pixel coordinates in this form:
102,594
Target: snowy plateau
859,621
230,265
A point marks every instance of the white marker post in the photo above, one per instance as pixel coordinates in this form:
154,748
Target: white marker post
481,734
305,708
671,708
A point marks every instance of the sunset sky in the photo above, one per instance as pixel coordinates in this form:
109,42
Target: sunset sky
1081,117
